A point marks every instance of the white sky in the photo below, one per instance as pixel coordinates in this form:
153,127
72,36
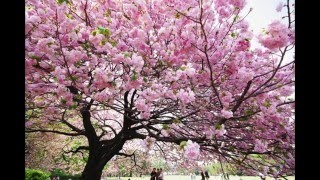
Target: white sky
263,13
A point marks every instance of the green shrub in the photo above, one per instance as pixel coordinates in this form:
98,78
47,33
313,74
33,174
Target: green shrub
35,174
64,175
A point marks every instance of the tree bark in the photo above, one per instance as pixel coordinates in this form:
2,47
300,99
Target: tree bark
92,171
96,162
101,152
94,166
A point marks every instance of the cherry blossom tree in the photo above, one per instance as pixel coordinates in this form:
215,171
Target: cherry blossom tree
167,72
49,151
41,150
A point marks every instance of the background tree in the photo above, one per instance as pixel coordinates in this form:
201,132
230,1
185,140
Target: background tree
48,151
170,71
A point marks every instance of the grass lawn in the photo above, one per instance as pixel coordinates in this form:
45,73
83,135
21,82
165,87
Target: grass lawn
181,177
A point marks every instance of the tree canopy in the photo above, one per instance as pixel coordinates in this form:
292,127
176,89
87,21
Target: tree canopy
179,73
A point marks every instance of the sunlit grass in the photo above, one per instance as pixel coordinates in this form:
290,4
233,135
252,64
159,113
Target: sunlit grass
180,177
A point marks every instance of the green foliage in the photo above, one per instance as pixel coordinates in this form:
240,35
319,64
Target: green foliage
103,42
160,163
75,145
113,43
262,158
107,13
74,106
78,64
183,68
176,121
64,175
126,54
218,126
104,31
86,45
160,63
61,1
122,169
106,166
215,168
135,76
63,101
183,144
248,112
35,57
267,104
41,154
165,126
74,160
35,174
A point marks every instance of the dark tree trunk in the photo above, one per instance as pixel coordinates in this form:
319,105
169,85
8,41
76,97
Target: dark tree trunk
92,172
98,158
96,161
94,166
100,152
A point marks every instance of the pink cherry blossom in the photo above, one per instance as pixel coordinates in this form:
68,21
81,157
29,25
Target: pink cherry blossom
238,3
245,74
186,96
260,146
192,150
277,36
148,142
242,45
220,131
279,7
226,113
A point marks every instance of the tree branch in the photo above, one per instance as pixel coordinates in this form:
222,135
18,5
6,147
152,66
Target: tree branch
54,131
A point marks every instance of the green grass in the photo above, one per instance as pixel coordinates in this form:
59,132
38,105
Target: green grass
181,177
